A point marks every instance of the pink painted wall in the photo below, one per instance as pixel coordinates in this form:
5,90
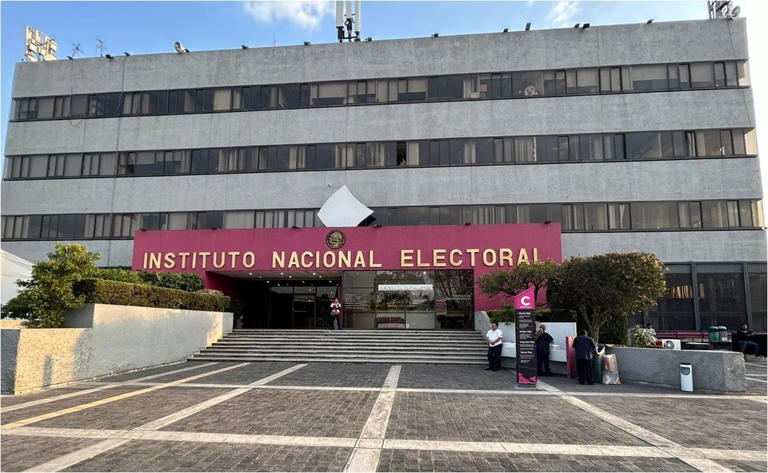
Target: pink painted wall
231,246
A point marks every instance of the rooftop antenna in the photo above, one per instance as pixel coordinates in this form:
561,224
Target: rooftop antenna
76,49
722,10
274,40
348,23
100,47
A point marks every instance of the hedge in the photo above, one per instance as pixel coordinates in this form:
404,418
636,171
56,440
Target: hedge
189,282
98,291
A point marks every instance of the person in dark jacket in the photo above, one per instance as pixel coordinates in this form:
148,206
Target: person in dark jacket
745,342
543,339
584,348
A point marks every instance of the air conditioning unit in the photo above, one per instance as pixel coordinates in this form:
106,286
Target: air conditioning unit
671,343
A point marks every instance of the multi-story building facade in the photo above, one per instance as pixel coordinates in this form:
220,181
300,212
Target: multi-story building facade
632,137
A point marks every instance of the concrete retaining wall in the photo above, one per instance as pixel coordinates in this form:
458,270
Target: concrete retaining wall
719,371
101,339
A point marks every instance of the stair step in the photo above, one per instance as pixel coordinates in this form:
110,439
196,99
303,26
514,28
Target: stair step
335,360
342,350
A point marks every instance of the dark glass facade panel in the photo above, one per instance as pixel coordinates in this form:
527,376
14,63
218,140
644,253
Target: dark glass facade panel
675,311
78,107
527,84
722,299
446,88
554,83
105,105
758,286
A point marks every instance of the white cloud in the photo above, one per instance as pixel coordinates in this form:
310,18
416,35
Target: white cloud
305,14
562,13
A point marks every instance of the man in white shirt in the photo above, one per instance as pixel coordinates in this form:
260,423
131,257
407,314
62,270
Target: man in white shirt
494,338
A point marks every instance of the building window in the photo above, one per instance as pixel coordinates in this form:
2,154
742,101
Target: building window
105,105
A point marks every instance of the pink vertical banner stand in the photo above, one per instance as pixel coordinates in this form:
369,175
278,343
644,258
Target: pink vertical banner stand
525,336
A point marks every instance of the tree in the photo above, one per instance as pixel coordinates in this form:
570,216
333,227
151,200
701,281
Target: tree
47,296
608,286
521,277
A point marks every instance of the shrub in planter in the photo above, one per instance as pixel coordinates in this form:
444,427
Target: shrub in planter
188,282
505,314
120,293
116,274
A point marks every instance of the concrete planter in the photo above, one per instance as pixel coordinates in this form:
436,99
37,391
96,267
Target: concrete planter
718,371
100,339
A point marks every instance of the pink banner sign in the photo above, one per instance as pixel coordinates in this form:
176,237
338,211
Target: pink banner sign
526,299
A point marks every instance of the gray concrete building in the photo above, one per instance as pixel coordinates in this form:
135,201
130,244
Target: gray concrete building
633,137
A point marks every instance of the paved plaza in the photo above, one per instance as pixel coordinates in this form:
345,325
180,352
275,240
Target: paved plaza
226,416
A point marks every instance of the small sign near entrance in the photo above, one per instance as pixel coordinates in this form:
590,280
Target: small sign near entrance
525,330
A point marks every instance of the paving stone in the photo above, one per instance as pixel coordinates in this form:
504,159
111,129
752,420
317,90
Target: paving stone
704,423
455,377
431,460
529,419
337,374
743,465
140,455
189,373
53,406
19,453
11,399
134,411
285,412
198,368
245,374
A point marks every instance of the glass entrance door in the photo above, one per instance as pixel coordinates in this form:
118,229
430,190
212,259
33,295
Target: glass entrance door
304,310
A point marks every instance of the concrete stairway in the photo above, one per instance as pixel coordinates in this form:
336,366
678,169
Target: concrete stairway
349,346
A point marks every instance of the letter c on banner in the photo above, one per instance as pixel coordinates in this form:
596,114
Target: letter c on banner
526,300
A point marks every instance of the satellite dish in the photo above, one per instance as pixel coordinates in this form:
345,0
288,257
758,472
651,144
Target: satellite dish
736,11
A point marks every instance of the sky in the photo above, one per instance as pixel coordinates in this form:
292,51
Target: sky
152,27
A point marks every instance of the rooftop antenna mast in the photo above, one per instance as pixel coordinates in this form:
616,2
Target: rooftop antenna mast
100,47
722,10
348,23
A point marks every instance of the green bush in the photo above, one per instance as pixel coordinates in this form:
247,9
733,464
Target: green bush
116,274
47,295
505,314
188,282
121,293
555,315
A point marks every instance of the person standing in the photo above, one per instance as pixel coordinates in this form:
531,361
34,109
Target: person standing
584,348
651,331
336,313
494,338
543,340
744,337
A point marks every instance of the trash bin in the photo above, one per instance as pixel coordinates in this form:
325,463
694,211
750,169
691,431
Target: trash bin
714,334
597,369
686,377
723,333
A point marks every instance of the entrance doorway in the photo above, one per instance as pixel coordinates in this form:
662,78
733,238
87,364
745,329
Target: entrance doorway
288,304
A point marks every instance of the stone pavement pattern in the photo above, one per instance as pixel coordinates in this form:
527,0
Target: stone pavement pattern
377,417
